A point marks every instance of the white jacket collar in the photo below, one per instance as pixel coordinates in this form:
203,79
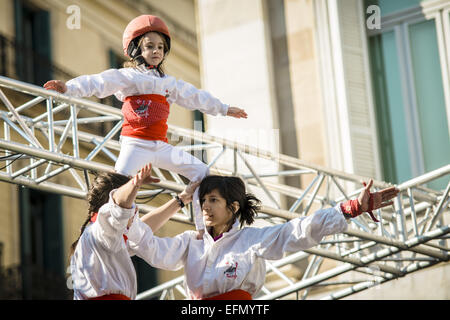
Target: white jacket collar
234,228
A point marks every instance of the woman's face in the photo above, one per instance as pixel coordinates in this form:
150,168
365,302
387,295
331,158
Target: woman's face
215,211
152,47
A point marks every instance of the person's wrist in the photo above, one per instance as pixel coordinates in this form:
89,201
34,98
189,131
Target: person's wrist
180,201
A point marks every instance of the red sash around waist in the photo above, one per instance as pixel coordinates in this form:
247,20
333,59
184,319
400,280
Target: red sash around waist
232,295
145,117
111,297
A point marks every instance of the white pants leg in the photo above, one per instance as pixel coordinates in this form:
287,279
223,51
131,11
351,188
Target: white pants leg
135,153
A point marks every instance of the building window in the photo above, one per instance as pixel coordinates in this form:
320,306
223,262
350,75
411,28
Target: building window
408,76
41,245
33,48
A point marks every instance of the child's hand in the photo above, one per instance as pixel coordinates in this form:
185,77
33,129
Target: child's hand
191,187
144,176
236,112
56,85
186,195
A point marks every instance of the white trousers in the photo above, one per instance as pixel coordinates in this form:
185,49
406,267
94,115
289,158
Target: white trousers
135,153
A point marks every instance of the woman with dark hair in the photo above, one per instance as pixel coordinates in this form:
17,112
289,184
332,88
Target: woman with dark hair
100,262
228,263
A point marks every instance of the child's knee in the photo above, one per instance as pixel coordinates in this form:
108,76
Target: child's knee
201,171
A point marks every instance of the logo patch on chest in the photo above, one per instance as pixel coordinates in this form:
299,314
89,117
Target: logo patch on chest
231,270
143,107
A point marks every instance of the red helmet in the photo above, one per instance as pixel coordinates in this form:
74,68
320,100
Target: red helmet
140,26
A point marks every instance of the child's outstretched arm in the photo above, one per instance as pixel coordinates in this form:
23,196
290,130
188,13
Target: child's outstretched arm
188,96
100,85
236,113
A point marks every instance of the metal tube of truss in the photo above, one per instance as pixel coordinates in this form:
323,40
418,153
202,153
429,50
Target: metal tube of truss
27,168
280,174
401,224
271,267
369,284
314,194
50,156
78,180
340,188
347,267
396,243
413,212
45,186
198,147
84,120
297,203
28,104
94,152
354,261
19,119
439,208
17,129
39,91
42,116
49,175
154,291
51,133
217,157
7,134
63,137
111,155
261,183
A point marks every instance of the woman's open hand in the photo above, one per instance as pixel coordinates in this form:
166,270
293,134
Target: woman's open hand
379,199
144,176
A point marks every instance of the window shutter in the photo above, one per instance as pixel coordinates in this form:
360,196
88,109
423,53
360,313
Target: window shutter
358,89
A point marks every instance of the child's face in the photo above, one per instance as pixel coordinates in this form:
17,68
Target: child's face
152,48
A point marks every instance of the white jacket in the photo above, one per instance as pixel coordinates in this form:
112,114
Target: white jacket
101,263
237,260
137,81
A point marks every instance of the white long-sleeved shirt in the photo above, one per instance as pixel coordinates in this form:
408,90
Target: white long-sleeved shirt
237,259
138,81
101,263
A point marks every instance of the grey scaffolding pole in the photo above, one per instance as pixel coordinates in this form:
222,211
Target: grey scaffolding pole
50,135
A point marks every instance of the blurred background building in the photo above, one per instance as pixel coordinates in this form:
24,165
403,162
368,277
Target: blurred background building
360,86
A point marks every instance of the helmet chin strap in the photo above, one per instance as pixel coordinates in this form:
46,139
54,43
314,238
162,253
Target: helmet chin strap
140,60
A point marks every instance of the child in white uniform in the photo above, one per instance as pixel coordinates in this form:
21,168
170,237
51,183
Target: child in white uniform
229,263
100,263
147,94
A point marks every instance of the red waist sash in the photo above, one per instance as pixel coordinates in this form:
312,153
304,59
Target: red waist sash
145,117
232,295
111,297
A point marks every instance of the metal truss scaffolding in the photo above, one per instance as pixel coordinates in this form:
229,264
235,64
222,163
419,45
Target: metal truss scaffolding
49,143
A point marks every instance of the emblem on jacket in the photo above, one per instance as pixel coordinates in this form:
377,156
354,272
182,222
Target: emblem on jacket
231,270
142,110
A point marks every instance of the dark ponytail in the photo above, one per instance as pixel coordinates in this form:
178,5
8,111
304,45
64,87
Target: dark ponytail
98,195
249,209
232,189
